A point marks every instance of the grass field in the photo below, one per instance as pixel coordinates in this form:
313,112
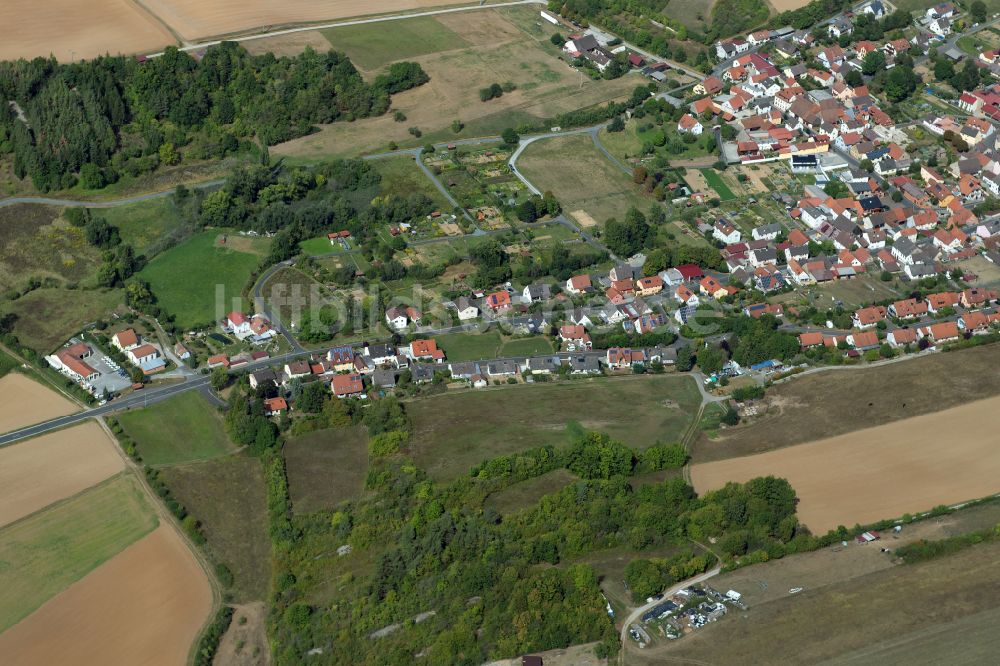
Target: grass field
227,497
453,432
580,177
48,317
375,45
401,177
36,243
525,494
326,467
936,612
290,293
48,551
859,292
181,429
504,45
144,225
628,143
185,279
835,402
715,180
469,346
532,346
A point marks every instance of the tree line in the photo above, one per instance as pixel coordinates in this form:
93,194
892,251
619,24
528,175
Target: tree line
95,120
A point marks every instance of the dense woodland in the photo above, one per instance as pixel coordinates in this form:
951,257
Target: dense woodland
499,586
95,120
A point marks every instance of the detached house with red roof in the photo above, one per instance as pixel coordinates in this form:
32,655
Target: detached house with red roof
125,340
579,284
426,349
347,386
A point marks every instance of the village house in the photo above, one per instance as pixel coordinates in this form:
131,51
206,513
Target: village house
425,349
275,406
347,386
579,284
125,340
147,357
575,335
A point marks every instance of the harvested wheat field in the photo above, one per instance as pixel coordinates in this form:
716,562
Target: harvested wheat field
74,30
883,472
27,402
787,5
144,606
196,19
40,471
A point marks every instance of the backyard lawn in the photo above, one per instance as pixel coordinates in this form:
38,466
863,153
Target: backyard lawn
181,429
469,346
532,346
715,180
188,279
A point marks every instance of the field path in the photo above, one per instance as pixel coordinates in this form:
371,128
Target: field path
111,203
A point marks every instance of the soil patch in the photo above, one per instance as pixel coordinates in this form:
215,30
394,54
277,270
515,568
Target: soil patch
883,472
584,218
144,606
245,643
27,402
40,471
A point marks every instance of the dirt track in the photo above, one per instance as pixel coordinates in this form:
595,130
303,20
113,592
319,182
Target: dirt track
26,402
69,30
907,466
144,606
37,472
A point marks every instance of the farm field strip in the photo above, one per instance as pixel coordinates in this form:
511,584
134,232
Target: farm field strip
54,466
146,605
882,472
44,553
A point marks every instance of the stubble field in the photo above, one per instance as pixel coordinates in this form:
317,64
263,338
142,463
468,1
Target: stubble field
74,30
44,553
906,466
144,606
40,471
839,401
26,402
194,19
